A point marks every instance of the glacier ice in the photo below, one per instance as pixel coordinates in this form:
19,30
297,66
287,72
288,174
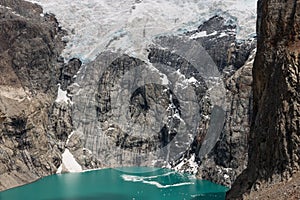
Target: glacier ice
97,25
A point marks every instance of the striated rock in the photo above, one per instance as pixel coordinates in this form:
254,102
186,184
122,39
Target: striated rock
104,119
274,138
141,106
60,123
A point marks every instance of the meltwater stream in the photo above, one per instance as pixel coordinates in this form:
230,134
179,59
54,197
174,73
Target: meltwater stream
134,183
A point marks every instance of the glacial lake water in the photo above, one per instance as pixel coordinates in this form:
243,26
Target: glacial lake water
134,183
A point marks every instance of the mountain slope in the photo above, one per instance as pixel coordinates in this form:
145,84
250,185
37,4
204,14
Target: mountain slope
179,84
29,52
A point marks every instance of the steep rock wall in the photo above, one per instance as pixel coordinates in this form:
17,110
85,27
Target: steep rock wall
29,66
274,139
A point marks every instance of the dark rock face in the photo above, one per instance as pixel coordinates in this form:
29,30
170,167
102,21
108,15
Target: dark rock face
216,46
274,139
34,125
19,36
221,43
30,46
68,73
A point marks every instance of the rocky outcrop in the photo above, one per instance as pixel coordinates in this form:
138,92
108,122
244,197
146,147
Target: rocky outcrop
30,47
218,37
68,72
229,156
274,138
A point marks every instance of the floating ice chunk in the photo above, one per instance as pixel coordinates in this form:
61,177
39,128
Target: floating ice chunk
147,180
158,185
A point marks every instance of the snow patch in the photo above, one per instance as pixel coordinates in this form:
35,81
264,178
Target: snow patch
69,162
164,79
88,150
188,165
72,133
203,34
59,170
199,34
192,80
222,35
9,8
62,96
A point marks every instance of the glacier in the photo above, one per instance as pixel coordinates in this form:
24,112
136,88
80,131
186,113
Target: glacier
130,25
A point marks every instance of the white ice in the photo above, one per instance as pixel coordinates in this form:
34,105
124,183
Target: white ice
98,25
69,162
146,180
62,96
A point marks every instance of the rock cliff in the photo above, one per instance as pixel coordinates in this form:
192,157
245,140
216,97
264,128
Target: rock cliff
230,154
234,60
111,128
274,137
29,64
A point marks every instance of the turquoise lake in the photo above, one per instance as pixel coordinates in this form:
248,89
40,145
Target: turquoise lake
135,183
